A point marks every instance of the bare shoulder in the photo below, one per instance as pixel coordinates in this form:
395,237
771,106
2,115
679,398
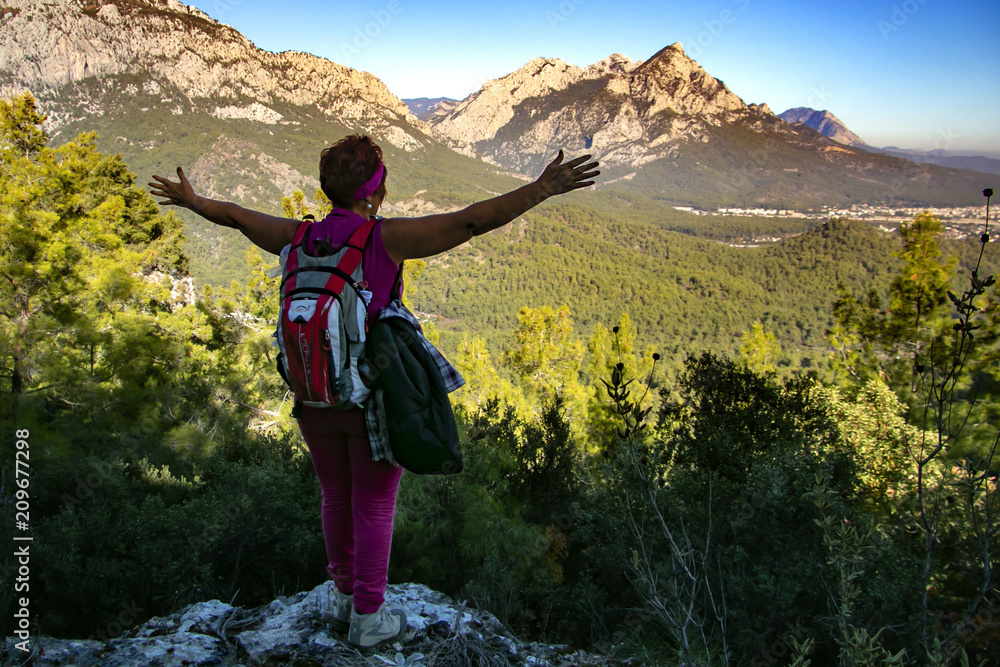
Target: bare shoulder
395,232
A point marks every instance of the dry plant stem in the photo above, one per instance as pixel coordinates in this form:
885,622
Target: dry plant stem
986,527
941,401
693,563
675,602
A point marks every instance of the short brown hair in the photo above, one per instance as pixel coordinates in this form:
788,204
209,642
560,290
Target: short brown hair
346,166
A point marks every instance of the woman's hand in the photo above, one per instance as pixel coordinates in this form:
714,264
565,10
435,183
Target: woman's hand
267,232
559,178
176,194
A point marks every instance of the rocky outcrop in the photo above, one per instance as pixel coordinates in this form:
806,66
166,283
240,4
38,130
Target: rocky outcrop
57,45
823,122
627,113
296,630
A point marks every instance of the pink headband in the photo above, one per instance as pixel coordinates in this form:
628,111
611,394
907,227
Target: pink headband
369,188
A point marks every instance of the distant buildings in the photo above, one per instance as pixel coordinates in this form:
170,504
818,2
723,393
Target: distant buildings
959,222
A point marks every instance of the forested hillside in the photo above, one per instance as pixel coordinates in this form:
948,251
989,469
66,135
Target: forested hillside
683,294
719,507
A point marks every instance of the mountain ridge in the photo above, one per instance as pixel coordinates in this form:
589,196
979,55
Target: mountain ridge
205,60
666,127
832,127
825,123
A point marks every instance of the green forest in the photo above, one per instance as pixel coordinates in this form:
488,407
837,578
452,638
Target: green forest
769,456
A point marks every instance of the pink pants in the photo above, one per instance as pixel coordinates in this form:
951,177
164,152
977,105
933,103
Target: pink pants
359,501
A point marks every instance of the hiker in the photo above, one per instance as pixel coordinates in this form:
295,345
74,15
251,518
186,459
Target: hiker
359,493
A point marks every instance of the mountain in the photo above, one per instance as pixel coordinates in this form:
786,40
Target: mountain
178,57
666,128
980,163
830,126
619,109
423,107
823,122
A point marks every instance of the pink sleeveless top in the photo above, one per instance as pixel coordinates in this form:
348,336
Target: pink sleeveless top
380,270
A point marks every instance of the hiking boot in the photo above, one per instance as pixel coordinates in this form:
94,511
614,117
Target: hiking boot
370,630
338,611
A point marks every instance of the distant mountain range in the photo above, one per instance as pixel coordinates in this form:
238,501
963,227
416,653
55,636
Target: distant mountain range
980,163
423,107
824,122
666,127
662,127
830,126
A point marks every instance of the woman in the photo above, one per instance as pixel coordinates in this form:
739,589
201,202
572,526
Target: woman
359,494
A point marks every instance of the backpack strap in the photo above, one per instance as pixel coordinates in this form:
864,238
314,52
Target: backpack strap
292,260
339,275
300,233
352,258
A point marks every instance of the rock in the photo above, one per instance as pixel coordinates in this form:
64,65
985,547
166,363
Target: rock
52,48
296,629
626,113
823,122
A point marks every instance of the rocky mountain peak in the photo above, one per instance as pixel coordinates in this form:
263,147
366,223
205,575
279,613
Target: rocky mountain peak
823,122
479,116
669,51
537,77
671,81
625,112
616,63
54,47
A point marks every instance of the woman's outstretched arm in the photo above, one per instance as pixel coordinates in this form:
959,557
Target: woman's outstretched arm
267,232
410,238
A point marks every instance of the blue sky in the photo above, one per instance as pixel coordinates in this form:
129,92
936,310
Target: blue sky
911,73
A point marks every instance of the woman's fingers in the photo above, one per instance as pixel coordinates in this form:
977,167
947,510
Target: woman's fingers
577,160
582,172
173,191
